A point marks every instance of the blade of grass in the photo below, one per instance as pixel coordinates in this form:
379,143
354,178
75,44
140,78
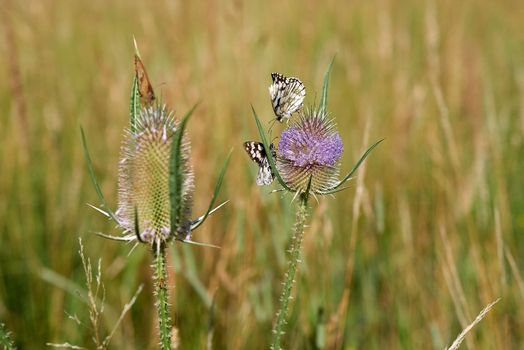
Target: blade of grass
211,325
480,316
71,287
192,275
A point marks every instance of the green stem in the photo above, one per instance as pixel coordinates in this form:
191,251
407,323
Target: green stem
289,277
161,293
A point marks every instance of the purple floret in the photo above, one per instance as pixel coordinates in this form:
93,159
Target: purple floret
311,143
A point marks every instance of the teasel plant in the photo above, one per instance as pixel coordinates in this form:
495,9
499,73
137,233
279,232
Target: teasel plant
155,188
307,163
6,341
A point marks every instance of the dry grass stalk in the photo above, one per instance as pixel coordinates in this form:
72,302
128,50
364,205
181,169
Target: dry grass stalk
462,335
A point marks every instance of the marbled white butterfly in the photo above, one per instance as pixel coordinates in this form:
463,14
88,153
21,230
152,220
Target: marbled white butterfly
287,95
256,152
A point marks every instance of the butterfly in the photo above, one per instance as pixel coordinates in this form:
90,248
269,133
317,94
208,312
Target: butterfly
256,152
287,95
145,89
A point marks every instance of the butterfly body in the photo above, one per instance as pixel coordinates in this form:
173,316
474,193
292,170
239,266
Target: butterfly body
287,95
257,153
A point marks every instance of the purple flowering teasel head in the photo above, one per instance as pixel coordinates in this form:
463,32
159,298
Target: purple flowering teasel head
310,148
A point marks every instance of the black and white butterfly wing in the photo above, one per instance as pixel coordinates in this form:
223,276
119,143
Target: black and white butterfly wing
265,174
256,152
287,95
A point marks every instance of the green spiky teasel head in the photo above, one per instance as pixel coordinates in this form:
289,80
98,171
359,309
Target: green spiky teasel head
143,182
155,185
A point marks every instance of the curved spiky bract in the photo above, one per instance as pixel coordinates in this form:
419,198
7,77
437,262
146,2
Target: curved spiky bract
310,148
143,186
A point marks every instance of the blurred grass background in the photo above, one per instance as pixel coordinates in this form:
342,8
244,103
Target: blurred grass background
429,233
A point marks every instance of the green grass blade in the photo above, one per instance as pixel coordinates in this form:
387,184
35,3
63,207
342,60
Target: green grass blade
175,173
268,152
211,323
324,95
134,105
355,167
320,333
77,291
218,184
93,177
191,273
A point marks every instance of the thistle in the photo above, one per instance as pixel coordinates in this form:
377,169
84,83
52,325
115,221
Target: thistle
307,163
155,187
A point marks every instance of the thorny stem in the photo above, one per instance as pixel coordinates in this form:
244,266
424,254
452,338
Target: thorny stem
161,293
289,277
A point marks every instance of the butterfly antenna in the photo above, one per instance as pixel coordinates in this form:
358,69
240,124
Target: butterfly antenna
272,122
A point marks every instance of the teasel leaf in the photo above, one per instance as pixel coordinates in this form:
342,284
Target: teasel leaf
355,168
200,244
176,174
134,105
324,95
93,177
195,224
